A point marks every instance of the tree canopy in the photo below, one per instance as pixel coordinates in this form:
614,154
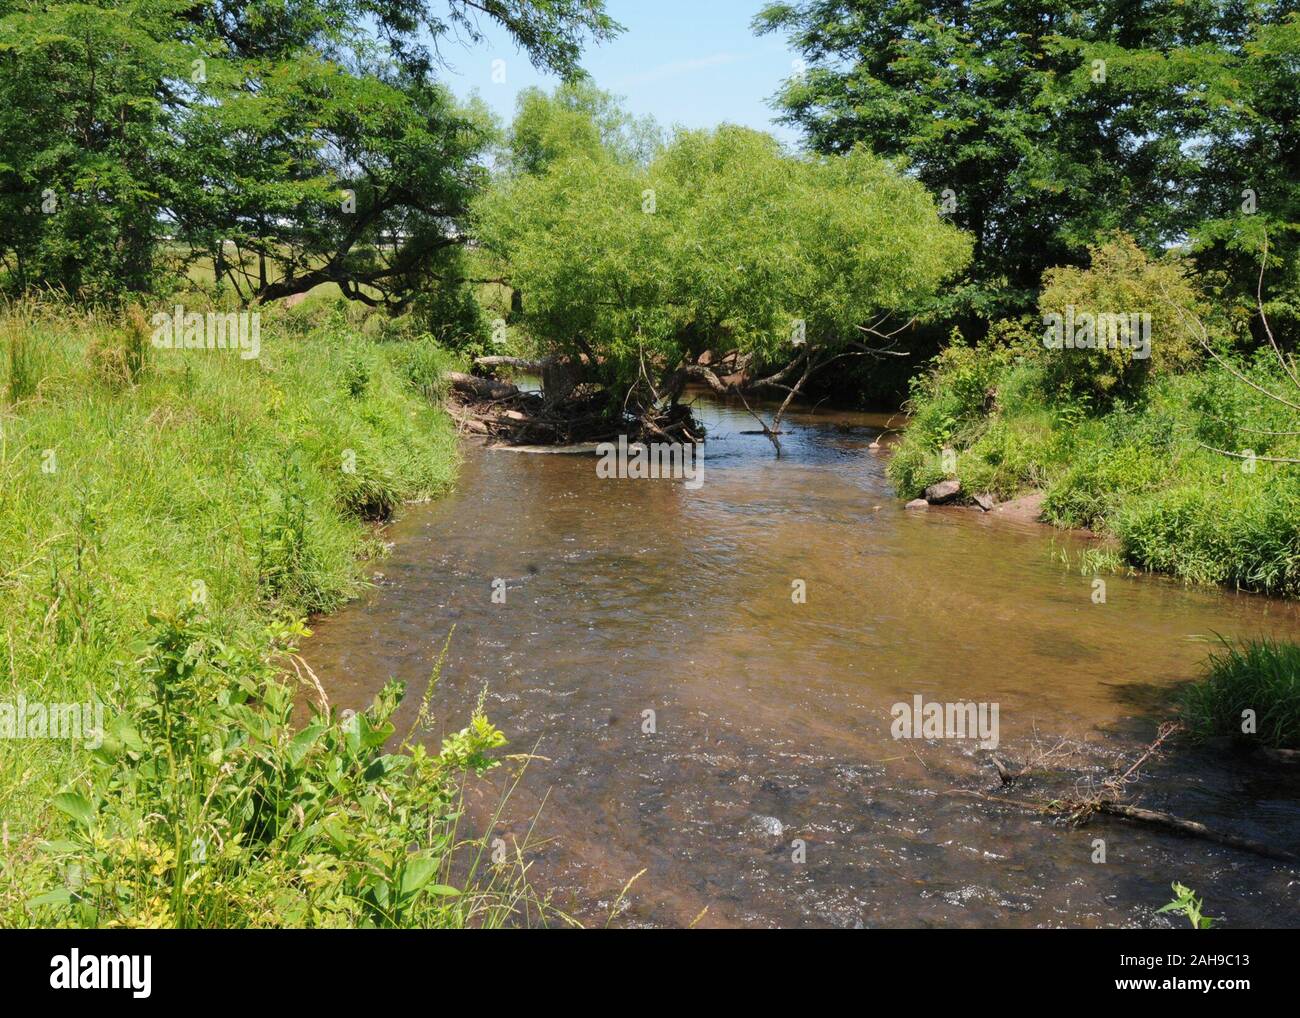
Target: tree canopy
576,117
722,242
1051,125
289,143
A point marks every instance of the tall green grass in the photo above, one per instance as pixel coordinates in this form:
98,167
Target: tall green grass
1261,677
1142,470
166,519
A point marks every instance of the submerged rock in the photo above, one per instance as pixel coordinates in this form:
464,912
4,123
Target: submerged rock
765,830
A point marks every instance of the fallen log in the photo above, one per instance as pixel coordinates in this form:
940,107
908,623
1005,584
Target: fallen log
566,411
466,420
1193,827
480,388
528,364
1139,814
560,375
578,449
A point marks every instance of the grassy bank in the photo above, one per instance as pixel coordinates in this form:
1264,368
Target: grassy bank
1136,467
1250,693
167,518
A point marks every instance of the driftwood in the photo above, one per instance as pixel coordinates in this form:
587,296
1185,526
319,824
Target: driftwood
480,388
467,423
1108,800
651,408
501,411
569,410
1153,817
1193,827
529,364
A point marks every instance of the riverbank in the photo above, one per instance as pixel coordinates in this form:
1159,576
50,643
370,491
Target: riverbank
1144,470
166,519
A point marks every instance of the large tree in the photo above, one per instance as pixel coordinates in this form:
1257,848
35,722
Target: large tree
1054,123
722,242
292,143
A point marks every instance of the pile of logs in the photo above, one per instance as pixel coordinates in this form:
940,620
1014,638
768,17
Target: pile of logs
503,411
565,412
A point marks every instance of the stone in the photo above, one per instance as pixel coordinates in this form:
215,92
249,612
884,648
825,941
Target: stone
985,501
766,830
943,492
918,503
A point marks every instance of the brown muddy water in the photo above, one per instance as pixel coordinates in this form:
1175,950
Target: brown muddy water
628,596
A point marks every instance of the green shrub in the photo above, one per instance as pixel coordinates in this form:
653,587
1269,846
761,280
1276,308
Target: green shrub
948,408
206,806
1231,415
1148,468
423,363
1094,486
1122,280
451,313
913,468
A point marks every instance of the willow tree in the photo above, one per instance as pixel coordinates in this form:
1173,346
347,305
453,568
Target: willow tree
723,242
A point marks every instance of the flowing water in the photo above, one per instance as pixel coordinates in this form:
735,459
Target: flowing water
631,596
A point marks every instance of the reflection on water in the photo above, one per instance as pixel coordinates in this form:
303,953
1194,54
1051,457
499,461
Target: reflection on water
628,596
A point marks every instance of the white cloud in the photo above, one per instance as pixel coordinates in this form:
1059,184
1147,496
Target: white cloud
677,68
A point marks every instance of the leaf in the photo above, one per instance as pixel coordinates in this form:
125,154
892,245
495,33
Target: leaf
417,872
129,736
76,806
374,735
59,846
352,734
386,766
58,896
303,741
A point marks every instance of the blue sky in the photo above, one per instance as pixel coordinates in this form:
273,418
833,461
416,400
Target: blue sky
689,62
